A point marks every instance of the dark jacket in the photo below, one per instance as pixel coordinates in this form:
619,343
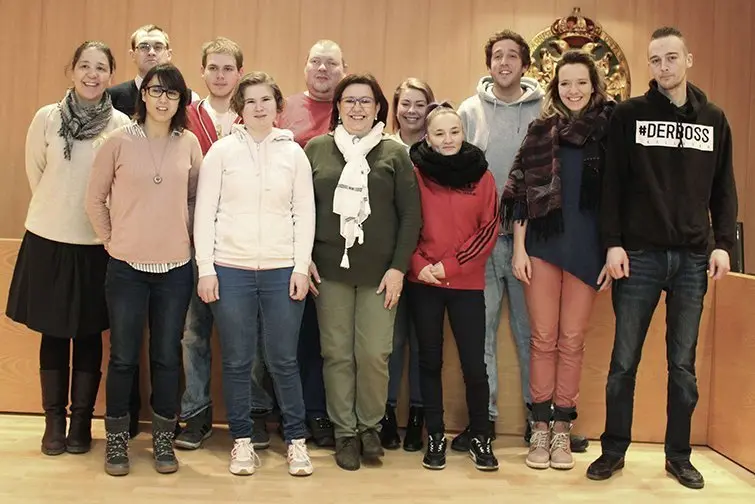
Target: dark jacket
124,96
668,175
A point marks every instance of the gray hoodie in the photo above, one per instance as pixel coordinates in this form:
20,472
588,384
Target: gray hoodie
498,128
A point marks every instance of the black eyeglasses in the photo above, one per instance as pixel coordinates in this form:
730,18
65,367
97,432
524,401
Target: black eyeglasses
157,92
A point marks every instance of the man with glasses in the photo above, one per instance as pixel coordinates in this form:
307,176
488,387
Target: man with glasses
307,115
150,46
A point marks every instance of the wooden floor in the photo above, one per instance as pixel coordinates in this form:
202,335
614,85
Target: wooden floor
29,477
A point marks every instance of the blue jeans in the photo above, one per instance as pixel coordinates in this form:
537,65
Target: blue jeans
197,361
499,278
403,333
135,298
245,295
682,275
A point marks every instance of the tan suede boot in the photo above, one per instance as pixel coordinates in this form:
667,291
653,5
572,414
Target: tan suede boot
539,455
561,457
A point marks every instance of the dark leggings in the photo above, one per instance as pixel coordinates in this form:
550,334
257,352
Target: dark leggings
55,353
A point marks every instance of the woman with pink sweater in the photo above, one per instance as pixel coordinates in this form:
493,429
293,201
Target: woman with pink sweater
254,229
140,197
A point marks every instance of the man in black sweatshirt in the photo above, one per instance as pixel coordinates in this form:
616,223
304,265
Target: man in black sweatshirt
668,176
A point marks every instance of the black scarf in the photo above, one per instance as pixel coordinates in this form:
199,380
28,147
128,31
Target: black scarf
457,171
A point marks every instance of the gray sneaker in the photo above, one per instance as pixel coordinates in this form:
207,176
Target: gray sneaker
198,428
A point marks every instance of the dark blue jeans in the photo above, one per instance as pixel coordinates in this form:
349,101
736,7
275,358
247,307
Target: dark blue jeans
310,362
134,299
245,295
682,275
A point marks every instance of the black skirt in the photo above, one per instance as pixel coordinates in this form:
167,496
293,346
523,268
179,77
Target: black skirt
58,288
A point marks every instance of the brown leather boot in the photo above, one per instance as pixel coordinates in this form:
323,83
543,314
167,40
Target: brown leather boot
54,402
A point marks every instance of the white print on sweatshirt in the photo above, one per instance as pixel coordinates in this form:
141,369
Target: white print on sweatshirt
671,134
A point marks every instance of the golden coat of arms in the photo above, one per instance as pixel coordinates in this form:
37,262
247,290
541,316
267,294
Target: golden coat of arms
578,32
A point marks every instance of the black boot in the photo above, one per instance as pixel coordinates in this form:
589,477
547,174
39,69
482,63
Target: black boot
83,396
116,448
135,405
389,437
163,431
54,401
413,437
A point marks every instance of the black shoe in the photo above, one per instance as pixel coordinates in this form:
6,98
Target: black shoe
54,402
527,433
413,436
116,447
347,453
84,388
371,447
322,431
685,473
198,428
604,467
481,452
435,456
579,444
461,442
260,437
163,430
389,437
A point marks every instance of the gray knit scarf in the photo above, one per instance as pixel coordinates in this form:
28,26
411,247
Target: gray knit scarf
82,123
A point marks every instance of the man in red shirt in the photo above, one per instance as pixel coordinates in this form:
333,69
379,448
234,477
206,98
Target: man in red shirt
307,115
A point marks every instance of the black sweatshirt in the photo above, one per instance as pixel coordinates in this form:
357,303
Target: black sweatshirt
666,168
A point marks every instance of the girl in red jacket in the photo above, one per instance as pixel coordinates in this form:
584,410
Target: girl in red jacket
460,226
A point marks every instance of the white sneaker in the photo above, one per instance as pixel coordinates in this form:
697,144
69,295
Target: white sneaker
299,463
243,459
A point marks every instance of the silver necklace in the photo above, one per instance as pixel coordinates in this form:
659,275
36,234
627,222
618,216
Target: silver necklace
157,179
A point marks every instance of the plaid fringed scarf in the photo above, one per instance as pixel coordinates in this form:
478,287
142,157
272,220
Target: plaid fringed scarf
533,190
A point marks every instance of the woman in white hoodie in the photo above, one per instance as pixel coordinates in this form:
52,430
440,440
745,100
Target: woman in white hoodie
254,227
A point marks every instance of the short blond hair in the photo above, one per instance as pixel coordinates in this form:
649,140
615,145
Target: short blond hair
222,45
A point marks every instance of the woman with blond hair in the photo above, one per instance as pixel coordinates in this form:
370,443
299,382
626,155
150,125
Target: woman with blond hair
557,253
410,102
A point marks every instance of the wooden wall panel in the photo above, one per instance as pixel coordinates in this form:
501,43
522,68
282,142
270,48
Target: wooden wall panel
732,404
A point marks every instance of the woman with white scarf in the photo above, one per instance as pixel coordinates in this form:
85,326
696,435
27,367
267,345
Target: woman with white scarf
368,221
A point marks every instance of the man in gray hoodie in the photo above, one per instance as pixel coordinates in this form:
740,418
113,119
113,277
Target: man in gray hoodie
496,120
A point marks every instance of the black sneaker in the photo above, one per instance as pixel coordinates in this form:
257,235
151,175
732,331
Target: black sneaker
685,473
481,452
322,431
197,429
461,442
604,467
260,437
435,456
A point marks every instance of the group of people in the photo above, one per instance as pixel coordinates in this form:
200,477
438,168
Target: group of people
294,225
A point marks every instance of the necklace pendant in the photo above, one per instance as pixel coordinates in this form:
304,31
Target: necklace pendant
157,179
